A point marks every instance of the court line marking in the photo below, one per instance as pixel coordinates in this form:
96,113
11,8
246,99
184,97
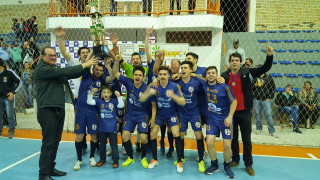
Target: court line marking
12,165
312,156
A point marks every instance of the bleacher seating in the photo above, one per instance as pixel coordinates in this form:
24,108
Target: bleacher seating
307,75
295,31
260,31
295,90
288,41
294,50
275,41
299,62
290,75
272,31
285,62
280,89
280,50
262,41
275,75
274,62
301,40
314,62
308,50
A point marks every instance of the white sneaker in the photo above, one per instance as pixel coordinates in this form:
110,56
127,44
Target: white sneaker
274,135
109,153
205,154
258,132
93,162
153,164
77,166
124,152
179,167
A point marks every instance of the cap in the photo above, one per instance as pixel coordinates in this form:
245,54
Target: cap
236,40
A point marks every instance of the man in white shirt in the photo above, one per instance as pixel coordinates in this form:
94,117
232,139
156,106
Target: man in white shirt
236,48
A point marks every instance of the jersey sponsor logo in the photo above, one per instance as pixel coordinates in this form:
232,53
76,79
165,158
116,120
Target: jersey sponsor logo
198,125
130,101
213,108
190,89
173,119
159,104
227,132
5,79
102,115
94,127
144,125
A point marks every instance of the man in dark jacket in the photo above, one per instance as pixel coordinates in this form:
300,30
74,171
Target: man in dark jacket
10,84
240,81
53,91
287,103
263,91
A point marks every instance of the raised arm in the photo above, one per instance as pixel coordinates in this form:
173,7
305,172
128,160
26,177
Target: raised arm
60,33
114,39
158,61
180,100
120,100
90,99
199,77
256,72
146,95
146,45
107,64
115,69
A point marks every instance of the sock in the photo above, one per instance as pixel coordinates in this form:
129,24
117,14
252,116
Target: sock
214,163
84,141
154,149
128,147
79,146
120,128
226,164
182,148
163,133
178,147
200,146
170,139
93,147
144,150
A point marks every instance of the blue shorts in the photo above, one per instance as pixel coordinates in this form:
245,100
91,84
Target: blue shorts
86,119
214,128
173,121
194,121
130,123
120,113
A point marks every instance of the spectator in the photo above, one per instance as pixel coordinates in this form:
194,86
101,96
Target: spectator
236,49
114,6
287,103
175,66
9,85
30,28
15,29
4,53
27,53
27,79
308,107
263,92
16,56
145,4
192,6
249,62
172,6
34,47
21,30
1,40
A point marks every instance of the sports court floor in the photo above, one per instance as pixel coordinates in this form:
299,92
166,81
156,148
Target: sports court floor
19,160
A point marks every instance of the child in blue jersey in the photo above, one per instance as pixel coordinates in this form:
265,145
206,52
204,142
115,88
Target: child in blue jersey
107,121
167,96
221,105
136,111
190,89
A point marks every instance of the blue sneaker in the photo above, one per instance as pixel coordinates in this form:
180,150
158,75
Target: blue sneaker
229,172
211,169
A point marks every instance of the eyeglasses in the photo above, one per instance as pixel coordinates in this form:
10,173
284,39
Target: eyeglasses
51,55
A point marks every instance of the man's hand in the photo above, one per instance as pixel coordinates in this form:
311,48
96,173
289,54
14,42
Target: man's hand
117,93
149,32
151,123
221,80
269,50
92,61
155,83
160,56
10,96
60,32
94,90
118,57
114,38
152,91
228,121
175,77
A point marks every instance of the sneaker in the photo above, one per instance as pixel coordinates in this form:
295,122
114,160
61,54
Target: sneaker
234,164
153,163
138,147
205,154
229,172
162,148
179,167
127,162
115,165
258,132
101,162
109,152
312,126
77,166
202,167
124,152
176,162
250,171
211,169
11,135
93,162
144,162
297,130
274,135
169,153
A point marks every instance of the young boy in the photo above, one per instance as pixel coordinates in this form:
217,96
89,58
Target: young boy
221,105
107,121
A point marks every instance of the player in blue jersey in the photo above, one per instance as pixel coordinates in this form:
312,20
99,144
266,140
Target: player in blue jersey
221,105
190,88
107,121
167,96
86,115
136,111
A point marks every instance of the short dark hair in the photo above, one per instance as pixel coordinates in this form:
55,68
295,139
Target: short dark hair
43,51
135,53
34,17
14,19
194,55
235,55
1,39
289,85
188,63
166,68
99,64
138,68
80,49
250,60
106,87
212,67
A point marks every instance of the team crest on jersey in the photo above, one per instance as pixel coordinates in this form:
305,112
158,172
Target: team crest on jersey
102,106
173,119
130,101
102,115
227,132
98,84
144,125
5,79
198,125
190,89
94,127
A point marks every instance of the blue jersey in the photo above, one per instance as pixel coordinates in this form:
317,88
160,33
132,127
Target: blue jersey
201,71
134,106
107,115
190,92
218,100
166,107
87,83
